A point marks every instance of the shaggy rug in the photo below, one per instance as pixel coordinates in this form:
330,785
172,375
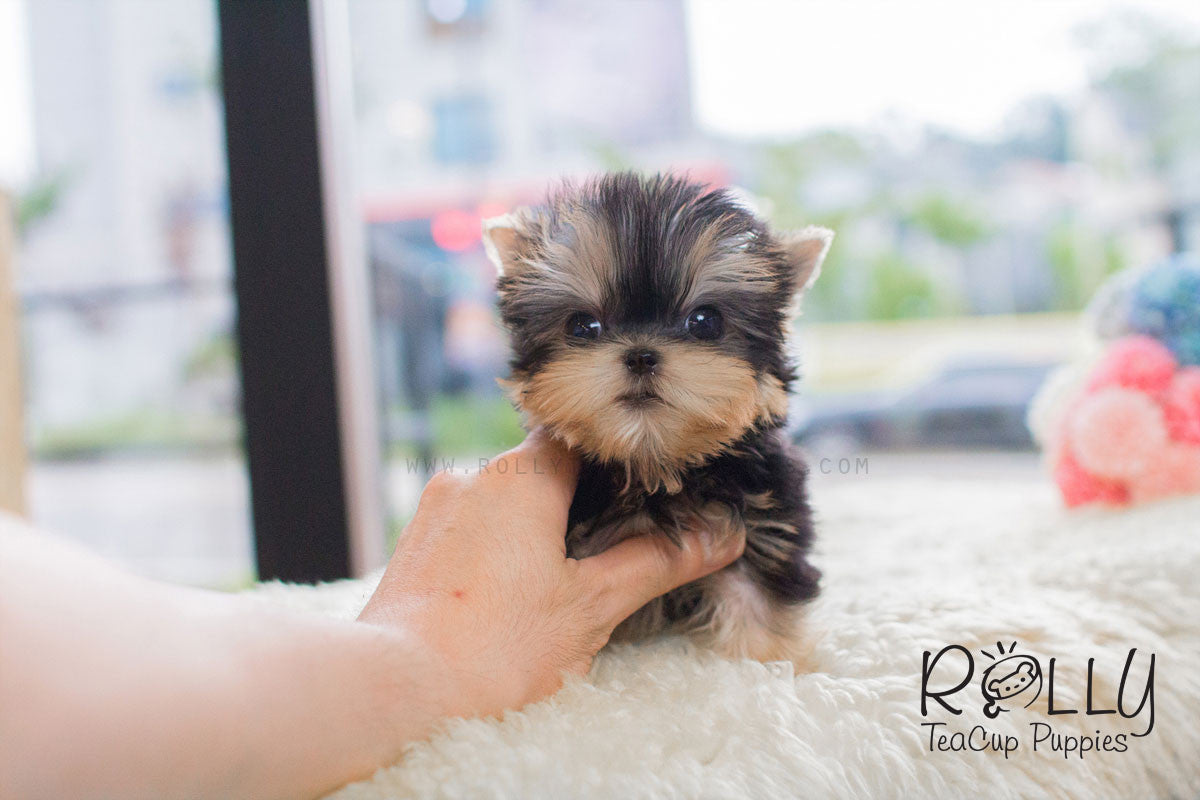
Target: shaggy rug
998,569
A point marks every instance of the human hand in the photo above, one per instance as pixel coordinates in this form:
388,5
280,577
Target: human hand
481,579
479,611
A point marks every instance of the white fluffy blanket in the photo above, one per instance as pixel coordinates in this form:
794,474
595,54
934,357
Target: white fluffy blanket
909,567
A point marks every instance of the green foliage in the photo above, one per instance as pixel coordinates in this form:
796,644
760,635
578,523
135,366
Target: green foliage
785,169
1063,255
1150,72
41,199
899,290
951,221
610,156
238,582
1114,258
1079,260
144,429
470,424
787,166
830,298
217,356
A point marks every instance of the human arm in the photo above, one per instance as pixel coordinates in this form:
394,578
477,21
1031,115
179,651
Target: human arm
112,685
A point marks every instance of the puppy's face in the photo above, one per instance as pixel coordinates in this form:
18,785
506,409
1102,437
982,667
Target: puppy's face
648,319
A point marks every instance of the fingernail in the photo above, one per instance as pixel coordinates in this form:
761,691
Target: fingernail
717,549
732,547
706,542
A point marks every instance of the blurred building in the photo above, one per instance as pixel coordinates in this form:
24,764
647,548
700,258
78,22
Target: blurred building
463,109
125,273
466,108
485,94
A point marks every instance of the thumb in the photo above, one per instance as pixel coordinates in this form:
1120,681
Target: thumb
634,572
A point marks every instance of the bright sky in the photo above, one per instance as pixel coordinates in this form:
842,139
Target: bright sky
776,68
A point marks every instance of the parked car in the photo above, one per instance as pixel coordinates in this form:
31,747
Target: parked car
976,404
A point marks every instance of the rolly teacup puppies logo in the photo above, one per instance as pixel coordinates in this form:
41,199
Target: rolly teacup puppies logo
1010,681
1014,680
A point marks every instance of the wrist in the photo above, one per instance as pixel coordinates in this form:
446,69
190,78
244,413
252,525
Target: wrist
447,677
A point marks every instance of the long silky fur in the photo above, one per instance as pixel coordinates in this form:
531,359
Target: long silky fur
639,254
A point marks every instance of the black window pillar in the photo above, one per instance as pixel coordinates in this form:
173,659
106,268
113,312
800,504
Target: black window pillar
285,325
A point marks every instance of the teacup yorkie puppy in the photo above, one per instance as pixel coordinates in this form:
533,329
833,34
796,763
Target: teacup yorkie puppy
648,319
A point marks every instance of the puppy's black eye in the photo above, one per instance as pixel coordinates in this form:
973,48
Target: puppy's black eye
583,326
705,323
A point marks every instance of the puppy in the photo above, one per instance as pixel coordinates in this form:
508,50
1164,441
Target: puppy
648,319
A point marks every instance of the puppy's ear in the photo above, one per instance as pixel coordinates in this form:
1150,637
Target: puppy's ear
510,240
806,250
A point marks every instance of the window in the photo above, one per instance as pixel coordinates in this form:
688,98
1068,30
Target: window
125,287
971,229
463,131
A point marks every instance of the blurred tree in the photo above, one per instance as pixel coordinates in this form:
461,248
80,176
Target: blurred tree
898,289
41,198
784,172
216,355
950,220
1151,74
1080,259
611,156
832,296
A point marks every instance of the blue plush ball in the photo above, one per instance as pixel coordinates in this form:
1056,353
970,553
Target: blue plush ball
1162,301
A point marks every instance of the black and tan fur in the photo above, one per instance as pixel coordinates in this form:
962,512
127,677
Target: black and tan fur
694,439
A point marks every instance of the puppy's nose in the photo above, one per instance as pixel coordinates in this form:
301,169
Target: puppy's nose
641,362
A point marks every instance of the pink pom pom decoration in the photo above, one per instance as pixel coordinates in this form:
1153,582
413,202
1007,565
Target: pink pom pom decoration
1079,487
1181,406
1176,470
1116,433
1135,362
1132,434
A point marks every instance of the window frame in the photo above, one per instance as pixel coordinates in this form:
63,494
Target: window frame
300,282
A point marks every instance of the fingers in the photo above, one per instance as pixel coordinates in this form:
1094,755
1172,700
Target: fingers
637,570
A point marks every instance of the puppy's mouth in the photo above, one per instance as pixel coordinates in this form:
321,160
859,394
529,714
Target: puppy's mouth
640,398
